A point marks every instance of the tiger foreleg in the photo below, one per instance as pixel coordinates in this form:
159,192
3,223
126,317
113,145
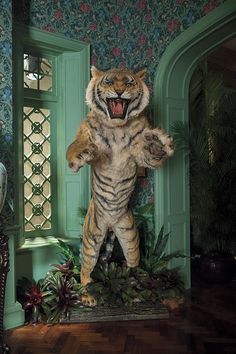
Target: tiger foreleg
128,237
156,147
94,231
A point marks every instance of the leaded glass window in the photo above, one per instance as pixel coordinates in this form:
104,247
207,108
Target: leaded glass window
38,73
37,168
37,132
46,116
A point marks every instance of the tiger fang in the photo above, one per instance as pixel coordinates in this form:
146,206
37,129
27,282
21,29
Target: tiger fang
117,107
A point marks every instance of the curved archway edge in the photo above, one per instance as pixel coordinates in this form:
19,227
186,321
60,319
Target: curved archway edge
171,89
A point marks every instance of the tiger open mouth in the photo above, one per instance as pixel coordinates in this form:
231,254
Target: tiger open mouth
117,107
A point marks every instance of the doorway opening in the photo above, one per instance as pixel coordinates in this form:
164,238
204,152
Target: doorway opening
171,104
212,155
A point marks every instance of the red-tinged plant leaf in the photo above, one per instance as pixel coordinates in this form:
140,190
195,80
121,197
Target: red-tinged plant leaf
27,305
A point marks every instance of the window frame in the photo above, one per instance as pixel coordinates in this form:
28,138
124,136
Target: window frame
42,99
31,40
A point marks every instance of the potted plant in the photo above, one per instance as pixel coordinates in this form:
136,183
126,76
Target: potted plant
209,141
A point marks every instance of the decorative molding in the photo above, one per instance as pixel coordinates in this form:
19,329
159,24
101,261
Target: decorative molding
35,242
32,36
14,315
72,76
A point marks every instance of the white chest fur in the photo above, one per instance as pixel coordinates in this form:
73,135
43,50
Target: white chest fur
119,140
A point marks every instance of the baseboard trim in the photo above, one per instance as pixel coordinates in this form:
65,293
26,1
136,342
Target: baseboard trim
14,316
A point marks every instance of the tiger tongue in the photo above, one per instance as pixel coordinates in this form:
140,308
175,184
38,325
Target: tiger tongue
117,107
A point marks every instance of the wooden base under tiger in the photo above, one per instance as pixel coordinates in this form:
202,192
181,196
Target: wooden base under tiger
115,140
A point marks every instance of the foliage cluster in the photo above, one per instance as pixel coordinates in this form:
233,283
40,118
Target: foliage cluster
55,296
113,282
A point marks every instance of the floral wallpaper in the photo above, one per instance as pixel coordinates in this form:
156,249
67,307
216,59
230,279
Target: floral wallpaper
6,101
122,33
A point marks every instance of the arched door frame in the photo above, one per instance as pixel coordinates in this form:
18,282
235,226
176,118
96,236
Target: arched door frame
171,90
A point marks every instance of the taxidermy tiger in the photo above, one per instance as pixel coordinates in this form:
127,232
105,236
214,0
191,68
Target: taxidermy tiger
115,140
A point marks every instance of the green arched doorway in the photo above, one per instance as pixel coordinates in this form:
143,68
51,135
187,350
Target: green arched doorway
171,94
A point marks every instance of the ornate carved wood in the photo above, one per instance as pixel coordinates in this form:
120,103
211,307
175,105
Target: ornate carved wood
4,269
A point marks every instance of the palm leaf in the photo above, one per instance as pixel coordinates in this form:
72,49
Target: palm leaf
161,243
180,132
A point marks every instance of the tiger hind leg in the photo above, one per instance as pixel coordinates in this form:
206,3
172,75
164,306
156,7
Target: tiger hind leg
94,232
128,237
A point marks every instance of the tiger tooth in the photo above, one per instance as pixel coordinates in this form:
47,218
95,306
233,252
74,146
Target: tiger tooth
108,113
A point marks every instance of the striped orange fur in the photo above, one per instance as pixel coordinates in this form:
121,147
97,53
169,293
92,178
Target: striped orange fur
115,139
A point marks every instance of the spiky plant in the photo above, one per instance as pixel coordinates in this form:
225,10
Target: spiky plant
153,273
68,252
153,247
153,257
114,284
32,296
63,295
67,269
62,284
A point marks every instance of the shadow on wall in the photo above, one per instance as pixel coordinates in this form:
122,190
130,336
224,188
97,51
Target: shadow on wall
36,263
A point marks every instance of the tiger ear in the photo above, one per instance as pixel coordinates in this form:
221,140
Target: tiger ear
95,72
142,74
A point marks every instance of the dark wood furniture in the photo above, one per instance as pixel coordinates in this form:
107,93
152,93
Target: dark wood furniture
4,269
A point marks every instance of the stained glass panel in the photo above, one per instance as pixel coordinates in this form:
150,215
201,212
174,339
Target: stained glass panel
37,168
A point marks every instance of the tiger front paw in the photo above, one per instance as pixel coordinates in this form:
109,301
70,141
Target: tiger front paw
159,144
78,157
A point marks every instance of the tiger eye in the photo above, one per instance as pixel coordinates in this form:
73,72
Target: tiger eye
107,81
130,82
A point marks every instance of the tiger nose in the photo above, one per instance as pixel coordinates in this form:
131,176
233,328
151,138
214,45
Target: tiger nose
119,92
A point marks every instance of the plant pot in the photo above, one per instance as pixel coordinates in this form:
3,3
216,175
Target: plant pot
217,267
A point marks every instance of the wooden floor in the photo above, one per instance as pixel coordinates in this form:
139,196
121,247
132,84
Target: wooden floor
206,324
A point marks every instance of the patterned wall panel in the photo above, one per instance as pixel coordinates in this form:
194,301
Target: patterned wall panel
6,152
122,33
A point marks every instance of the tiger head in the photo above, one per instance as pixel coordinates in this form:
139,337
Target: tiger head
117,95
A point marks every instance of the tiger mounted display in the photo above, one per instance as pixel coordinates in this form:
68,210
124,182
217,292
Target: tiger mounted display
115,139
